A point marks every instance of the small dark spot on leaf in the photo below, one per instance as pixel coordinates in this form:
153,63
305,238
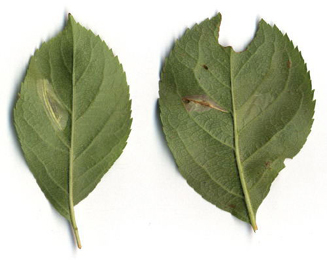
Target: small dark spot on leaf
232,206
289,64
267,164
205,67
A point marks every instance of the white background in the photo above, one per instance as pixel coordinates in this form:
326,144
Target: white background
143,208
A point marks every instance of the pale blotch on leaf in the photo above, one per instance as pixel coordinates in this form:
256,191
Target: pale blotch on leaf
56,112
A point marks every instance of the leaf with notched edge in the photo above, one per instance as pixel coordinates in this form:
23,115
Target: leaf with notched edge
73,116
231,119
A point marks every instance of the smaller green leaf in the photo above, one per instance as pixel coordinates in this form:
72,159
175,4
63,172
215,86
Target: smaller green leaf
73,116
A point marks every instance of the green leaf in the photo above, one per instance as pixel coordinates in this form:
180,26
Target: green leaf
231,119
73,116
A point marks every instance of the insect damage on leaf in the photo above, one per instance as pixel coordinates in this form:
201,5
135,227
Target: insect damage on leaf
263,116
73,116
201,103
57,113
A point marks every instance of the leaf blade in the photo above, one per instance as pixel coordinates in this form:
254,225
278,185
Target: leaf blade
73,87
239,83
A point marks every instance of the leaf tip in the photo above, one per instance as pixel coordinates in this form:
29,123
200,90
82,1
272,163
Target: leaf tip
262,21
218,15
71,18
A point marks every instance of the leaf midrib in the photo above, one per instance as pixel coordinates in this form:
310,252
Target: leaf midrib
237,153
71,152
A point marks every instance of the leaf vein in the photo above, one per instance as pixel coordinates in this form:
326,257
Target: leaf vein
95,137
87,66
96,95
63,58
54,88
47,171
272,137
99,175
46,142
250,57
205,170
262,175
260,84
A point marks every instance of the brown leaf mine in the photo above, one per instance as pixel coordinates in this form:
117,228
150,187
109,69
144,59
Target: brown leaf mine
201,103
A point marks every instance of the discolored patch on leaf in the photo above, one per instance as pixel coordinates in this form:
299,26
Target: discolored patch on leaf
201,103
56,112
267,165
289,64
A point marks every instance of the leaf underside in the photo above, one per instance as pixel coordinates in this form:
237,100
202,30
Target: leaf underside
73,115
232,154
